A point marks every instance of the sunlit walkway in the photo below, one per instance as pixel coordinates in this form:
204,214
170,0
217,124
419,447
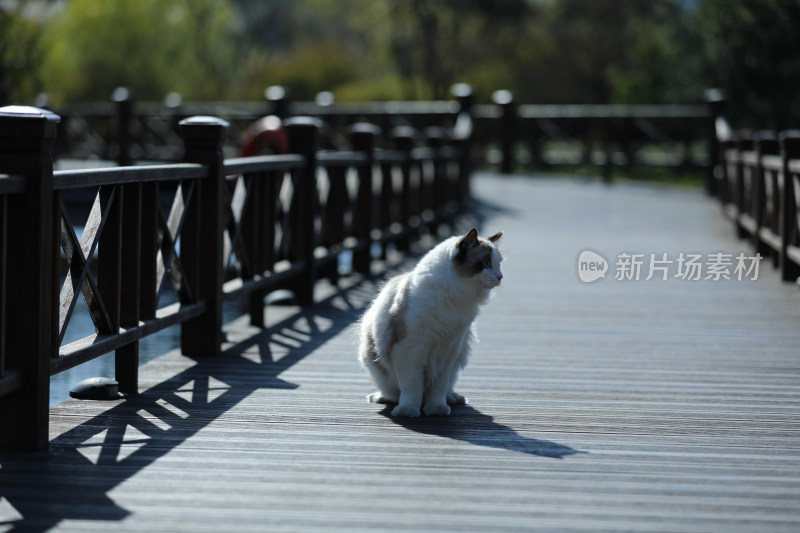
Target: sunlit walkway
663,405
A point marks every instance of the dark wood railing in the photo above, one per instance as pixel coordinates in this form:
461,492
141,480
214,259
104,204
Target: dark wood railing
125,131
506,134
214,229
756,177
604,136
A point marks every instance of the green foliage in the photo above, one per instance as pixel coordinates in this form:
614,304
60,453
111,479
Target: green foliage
305,71
752,50
544,51
19,55
386,88
151,46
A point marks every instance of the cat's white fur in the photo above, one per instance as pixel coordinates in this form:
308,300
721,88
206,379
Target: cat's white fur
416,335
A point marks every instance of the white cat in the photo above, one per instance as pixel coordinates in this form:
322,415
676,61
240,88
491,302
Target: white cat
416,335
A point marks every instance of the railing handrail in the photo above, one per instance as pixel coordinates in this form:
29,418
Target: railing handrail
95,177
10,184
611,111
264,163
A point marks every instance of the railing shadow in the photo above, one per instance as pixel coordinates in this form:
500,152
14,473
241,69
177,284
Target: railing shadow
84,464
467,424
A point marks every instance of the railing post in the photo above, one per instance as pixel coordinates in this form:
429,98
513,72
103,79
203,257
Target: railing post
436,140
404,140
790,149
462,132
202,239
278,101
743,143
27,137
363,136
304,140
173,106
765,142
123,101
508,122
718,133
126,359
605,125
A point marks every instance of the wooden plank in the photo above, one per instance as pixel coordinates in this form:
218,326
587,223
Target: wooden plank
674,111
770,239
167,260
617,405
27,137
92,346
3,289
149,283
95,177
772,162
77,254
246,165
341,159
126,358
11,184
10,381
109,257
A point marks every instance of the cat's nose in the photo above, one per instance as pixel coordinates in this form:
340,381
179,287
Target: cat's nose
499,276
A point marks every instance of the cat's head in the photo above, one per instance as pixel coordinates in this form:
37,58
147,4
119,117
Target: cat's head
477,258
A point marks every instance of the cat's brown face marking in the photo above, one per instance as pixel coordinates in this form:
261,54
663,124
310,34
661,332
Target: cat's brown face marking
471,262
475,254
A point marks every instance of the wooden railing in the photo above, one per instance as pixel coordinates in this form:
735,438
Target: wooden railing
757,180
126,131
507,134
212,228
609,137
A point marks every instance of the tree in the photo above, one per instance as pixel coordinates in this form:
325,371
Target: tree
440,42
752,51
151,46
320,45
544,51
19,55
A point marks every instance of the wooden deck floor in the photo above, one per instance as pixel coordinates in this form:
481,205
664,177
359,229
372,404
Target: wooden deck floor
620,405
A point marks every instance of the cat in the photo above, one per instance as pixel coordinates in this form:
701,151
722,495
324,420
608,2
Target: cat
416,335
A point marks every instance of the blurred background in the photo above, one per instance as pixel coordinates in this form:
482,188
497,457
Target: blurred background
543,51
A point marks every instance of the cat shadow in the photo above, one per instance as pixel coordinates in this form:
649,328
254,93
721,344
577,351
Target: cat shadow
467,424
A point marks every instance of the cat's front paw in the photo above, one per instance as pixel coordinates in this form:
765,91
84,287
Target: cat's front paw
437,410
454,398
378,397
405,411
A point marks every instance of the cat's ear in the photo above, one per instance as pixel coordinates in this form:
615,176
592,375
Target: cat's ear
496,236
469,240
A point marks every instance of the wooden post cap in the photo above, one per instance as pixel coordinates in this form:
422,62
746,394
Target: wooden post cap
27,121
303,133
503,97
363,135
203,131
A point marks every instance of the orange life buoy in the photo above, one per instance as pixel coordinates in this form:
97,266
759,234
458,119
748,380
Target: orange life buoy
265,136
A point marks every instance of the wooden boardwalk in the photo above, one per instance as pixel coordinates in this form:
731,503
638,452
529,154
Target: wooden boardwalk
612,406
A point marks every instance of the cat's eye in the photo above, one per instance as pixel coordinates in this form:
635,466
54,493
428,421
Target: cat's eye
487,264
